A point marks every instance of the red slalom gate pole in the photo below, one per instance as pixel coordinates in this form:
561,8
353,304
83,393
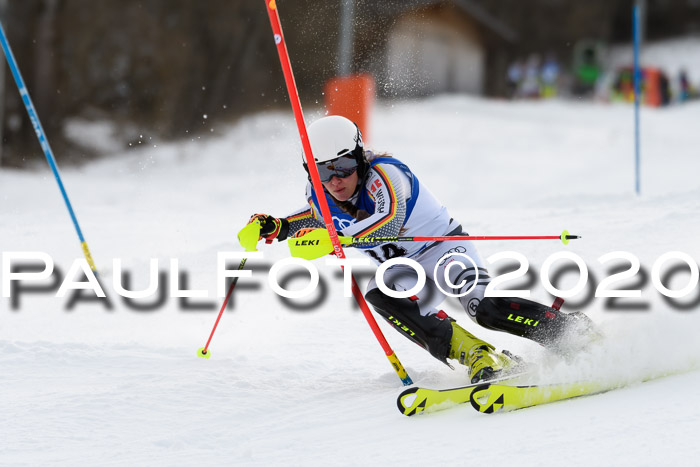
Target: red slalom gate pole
271,7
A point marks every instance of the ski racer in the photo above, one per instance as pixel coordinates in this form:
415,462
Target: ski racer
377,195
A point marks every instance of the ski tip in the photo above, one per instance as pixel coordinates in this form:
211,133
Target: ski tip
407,402
203,353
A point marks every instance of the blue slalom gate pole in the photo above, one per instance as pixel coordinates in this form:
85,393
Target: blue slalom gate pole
39,130
637,95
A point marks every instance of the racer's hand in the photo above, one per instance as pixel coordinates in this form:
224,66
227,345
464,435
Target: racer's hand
271,227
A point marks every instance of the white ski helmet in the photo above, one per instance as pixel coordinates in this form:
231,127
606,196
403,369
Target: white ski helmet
334,137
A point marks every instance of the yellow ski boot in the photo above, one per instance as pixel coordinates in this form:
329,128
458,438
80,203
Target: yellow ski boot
483,361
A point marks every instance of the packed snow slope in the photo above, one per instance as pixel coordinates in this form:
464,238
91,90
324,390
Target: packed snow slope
309,385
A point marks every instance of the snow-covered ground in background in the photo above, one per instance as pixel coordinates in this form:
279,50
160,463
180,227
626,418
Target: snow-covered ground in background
92,386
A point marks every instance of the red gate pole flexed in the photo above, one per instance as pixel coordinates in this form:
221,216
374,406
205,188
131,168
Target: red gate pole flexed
318,187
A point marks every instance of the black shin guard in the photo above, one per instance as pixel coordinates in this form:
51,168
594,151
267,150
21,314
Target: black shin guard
545,325
432,332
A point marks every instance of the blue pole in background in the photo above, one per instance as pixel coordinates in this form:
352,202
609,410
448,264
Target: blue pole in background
24,93
637,94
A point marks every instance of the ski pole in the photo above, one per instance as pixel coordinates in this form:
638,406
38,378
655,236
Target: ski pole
318,187
248,238
204,351
317,243
361,241
41,136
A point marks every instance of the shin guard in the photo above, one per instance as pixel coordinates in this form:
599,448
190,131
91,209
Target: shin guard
545,325
432,332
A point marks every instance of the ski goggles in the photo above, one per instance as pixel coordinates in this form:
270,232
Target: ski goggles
340,167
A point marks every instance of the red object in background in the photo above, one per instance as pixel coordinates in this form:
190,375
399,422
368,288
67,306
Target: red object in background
650,85
352,97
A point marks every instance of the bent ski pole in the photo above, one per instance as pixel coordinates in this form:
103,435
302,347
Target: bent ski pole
317,243
318,187
248,238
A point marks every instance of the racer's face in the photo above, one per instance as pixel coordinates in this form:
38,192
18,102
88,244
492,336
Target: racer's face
342,189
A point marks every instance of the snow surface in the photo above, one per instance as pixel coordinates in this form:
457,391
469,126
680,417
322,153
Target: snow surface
91,386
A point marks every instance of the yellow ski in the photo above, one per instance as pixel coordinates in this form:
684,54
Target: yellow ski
501,395
490,398
416,400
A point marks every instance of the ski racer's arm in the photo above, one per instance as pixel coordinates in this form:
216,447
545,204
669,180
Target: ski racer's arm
302,219
272,228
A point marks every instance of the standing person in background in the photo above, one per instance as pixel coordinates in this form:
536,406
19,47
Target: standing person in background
549,77
514,77
664,89
684,86
377,195
530,87
587,73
